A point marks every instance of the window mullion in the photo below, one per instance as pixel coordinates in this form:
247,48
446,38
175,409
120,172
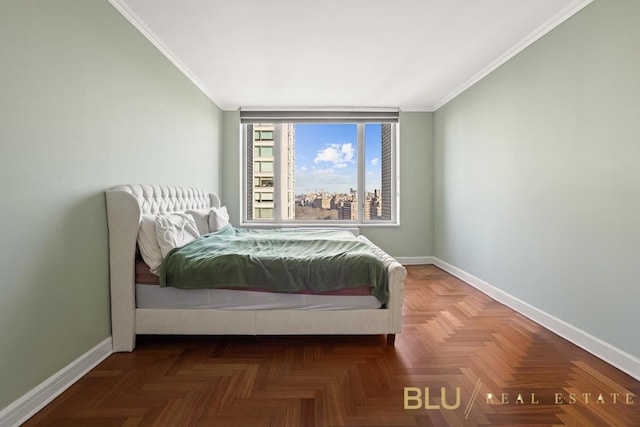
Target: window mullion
247,173
361,173
395,174
277,165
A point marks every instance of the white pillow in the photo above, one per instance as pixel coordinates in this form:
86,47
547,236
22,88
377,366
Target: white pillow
148,243
201,217
218,218
175,230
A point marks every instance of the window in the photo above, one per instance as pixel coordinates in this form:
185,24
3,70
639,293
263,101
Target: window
263,167
261,196
263,135
318,167
263,151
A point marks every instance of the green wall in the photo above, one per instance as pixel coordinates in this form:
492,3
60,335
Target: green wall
414,236
86,103
528,180
231,191
537,184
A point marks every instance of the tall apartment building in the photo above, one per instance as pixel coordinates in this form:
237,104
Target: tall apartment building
266,159
374,203
322,202
384,212
349,210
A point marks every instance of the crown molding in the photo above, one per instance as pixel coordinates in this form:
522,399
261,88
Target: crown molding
141,26
416,109
566,13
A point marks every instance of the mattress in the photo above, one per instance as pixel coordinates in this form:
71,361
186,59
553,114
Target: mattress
150,295
153,296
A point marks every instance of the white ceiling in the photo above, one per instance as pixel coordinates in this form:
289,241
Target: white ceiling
411,54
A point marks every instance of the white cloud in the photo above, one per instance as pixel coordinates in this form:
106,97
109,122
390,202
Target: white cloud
374,161
338,154
303,169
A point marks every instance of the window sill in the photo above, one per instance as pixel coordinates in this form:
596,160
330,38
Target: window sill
314,224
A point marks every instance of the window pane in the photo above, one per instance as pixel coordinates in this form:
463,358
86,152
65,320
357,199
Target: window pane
373,171
262,174
326,171
264,213
387,191
261,196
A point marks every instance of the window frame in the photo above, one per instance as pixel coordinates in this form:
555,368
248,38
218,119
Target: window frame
277,221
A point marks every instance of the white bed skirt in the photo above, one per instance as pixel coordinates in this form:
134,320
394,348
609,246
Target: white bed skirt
153,296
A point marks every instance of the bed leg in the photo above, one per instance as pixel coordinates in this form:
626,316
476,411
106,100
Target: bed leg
391,339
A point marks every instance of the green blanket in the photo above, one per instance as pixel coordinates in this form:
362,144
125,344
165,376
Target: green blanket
289,261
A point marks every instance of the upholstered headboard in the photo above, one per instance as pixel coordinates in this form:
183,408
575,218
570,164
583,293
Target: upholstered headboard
160,199
125,206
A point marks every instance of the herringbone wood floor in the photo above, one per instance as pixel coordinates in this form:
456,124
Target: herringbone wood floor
454,337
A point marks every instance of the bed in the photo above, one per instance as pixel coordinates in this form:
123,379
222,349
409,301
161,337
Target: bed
133,313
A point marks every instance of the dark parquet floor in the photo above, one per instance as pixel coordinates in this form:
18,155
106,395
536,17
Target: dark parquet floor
462,359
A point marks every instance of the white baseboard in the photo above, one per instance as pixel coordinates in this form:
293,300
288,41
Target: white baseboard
27,406
416,260
605,351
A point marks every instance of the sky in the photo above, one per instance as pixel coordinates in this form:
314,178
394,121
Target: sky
327,154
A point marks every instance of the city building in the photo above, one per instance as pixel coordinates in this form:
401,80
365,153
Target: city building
266,155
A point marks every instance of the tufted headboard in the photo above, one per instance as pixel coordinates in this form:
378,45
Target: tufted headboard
161,199
125,206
